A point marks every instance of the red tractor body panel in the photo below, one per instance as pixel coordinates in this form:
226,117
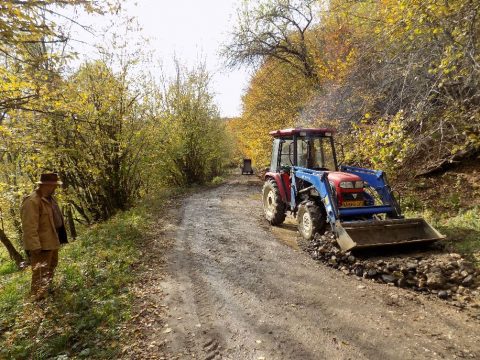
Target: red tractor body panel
353,195
283,183
335,177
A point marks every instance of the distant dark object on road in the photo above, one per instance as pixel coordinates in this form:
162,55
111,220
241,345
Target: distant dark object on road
247,167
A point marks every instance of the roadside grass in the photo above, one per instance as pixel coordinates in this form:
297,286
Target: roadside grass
218,180
6,265
462,230
91,302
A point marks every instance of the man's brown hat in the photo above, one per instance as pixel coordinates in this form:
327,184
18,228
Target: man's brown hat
49,179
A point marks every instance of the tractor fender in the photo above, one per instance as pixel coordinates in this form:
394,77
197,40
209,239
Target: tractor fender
283,183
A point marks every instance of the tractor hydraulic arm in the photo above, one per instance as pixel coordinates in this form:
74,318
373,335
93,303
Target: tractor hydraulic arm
318,180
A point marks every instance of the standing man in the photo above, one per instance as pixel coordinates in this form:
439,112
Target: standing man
43,232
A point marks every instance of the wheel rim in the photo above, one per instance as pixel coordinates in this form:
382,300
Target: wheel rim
306,224
269,203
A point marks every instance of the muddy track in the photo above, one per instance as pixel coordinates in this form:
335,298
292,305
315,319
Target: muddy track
234,289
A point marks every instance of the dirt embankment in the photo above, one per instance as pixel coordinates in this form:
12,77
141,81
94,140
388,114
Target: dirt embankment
223,285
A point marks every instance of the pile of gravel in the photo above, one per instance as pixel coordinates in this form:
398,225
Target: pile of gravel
447,275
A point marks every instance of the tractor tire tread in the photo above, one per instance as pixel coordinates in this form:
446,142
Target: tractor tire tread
279,209
318,216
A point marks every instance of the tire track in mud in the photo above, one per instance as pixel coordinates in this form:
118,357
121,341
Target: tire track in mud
210,338
203,339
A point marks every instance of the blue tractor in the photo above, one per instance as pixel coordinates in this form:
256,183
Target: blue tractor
305,179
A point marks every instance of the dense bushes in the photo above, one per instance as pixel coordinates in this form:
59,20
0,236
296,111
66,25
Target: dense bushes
193,145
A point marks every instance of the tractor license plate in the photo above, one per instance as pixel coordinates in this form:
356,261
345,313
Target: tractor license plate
352,203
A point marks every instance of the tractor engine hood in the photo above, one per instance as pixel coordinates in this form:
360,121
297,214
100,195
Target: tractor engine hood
348,188
337,177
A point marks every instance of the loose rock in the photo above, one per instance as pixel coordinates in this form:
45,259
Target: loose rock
435,280
442,294
445,275
388,278
468,280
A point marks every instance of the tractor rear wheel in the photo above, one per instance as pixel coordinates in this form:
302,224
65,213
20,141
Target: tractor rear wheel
311,219
273,205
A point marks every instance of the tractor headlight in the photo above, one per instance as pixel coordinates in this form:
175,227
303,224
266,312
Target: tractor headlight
346,185
359,184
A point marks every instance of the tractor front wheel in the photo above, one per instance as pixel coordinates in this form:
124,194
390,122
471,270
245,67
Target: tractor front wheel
311,220
273,205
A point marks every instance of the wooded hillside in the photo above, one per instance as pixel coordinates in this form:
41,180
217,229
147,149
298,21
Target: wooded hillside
399,79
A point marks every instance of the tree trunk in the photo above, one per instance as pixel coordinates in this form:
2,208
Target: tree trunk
71,222
14,254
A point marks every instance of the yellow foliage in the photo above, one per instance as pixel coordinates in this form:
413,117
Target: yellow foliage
383,144
275,100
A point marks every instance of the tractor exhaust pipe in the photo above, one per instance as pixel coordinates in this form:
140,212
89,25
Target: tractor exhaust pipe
371,233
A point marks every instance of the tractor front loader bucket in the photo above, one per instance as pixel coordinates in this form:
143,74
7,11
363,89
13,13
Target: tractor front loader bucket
363,234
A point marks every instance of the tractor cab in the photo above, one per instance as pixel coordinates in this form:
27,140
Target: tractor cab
314,149
305,179
303,147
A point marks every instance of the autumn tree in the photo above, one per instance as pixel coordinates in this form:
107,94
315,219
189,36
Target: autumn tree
296,58
276,98
193,145
97,141
274,29
29,30
399,76
415,65
33,37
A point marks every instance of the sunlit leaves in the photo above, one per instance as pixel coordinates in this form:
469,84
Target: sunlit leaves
192,143
408,68
275,99
33,37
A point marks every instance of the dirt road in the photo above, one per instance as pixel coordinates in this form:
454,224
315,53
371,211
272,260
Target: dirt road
235,289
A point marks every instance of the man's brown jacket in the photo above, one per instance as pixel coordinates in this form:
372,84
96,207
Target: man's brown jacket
37,224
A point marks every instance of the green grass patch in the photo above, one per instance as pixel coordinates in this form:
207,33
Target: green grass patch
462,230
7,267
83,317
218,180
